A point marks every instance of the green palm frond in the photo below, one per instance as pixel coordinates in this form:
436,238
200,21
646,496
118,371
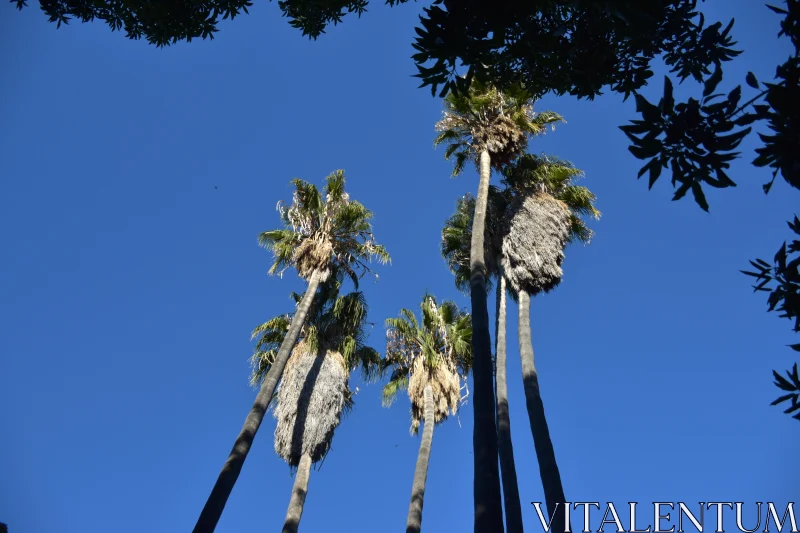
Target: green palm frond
404,327
369,362
461,160
334,185
538,124
451,136
260,363
281,243
580,200
456,242
579,231
457,237
277,324
307,196
397,382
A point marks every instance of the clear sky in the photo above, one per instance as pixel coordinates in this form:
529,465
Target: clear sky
135,181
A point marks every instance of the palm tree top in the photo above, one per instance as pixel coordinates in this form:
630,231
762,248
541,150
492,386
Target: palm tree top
488,119
532,174
436,350
527,176
323,230
335,322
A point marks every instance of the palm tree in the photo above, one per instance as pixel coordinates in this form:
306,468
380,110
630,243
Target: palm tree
314,390
429,360
319,233
456,238
543,217
490,128
529,181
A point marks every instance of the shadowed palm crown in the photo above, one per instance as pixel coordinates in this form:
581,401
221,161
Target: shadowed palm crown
457,235
321,232
336,322
490,120
436,352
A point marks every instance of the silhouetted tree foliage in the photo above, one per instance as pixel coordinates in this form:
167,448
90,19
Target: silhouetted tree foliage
697,139
782,281
3,528
161,23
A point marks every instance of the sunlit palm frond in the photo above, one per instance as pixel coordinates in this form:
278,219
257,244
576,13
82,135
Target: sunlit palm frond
397,382
334,186
369,363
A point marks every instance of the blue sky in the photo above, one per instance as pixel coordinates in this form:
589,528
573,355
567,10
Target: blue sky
130,284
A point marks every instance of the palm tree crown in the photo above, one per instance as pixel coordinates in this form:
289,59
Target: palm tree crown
335,323
314,390
322,231
486,119
436,352
546,213
527,178
557,178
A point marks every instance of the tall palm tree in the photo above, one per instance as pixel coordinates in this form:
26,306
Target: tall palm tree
545,214
456,239
430,360
319,233
314,390
529,180
490,128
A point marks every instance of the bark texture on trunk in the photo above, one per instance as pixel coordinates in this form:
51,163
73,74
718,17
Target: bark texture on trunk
414,522
545,454
298,499
215,504
486,486
508,470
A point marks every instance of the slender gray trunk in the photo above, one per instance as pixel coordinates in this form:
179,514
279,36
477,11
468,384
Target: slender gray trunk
486,483
414,522
508,470
215,504
299,491
545,454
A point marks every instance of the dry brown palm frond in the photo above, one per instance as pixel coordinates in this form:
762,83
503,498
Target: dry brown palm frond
445,383
538,229
311,255
311,398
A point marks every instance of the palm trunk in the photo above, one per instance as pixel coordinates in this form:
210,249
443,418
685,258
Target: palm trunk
299,491
486,484
505,447
414,522
233,465
545,454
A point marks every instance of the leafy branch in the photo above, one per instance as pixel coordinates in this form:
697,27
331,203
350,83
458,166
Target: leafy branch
697,139
782,281
792,385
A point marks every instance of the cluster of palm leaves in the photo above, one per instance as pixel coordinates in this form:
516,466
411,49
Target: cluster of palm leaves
512,236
